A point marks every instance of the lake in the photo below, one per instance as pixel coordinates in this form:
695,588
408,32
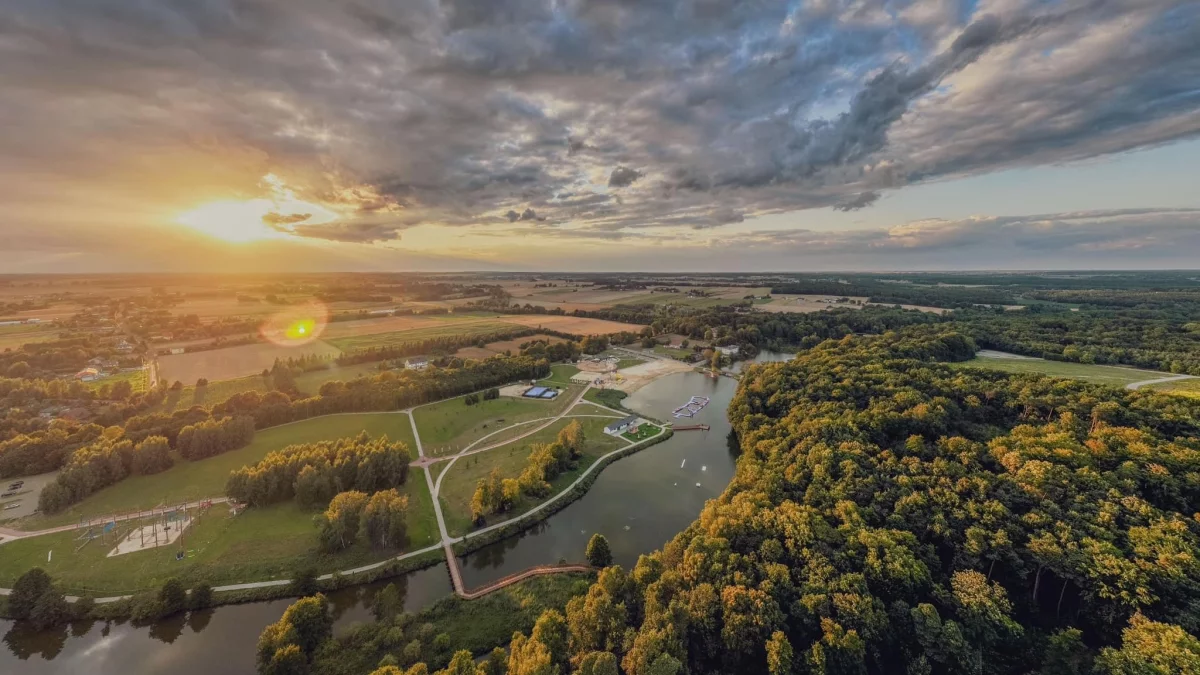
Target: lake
638,503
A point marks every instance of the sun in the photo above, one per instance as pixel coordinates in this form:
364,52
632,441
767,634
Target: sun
232,220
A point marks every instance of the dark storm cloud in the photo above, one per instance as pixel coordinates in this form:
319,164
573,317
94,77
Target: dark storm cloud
464,112
623,177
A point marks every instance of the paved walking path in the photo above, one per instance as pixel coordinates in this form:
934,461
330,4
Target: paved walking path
447,542
12,535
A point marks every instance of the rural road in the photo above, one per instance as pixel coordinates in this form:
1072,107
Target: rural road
1172,378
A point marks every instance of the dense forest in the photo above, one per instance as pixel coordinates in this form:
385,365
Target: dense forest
890,514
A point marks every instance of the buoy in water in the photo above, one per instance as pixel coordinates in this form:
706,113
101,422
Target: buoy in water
697,485
704,468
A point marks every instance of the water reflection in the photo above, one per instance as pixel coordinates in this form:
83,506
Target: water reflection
208,642
638,503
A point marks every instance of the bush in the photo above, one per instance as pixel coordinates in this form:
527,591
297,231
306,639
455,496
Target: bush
598,553
50,609
305,582
201,597
26,591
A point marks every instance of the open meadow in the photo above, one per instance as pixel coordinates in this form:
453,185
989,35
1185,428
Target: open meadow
186,481
456,329
449,426
1116,376
458,485
258,544
233,362
217,391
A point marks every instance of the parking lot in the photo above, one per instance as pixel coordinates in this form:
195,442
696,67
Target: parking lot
24,501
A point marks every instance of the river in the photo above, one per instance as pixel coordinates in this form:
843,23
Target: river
638,503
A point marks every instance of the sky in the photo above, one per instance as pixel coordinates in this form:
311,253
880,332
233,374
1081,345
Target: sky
598,135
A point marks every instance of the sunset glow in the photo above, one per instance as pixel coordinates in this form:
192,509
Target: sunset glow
232,220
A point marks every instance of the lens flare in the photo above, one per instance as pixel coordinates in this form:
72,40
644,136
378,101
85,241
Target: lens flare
297,325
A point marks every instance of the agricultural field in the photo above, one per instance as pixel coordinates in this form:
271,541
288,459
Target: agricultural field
220,390
1116,376
257,545
478,353
474,328
493,348
449,426
186,481
458,485
12,337
233,362
574,325
396,324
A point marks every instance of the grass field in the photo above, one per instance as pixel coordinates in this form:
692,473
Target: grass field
138,378
1111,375
12,337
477,328
206,478
458,486
606,397
233,362
1189,387
663,350
259,544
644,431
220,390
449,426
560,374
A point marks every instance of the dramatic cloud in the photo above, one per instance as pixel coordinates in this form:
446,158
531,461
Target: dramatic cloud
623,177
485,113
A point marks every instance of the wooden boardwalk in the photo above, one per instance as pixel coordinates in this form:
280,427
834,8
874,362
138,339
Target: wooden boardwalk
540,570
691,427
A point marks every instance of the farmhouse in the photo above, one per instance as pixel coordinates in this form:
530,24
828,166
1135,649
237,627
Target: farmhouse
622,425
418,363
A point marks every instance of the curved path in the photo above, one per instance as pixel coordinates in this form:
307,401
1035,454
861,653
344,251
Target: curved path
1172,378
446,543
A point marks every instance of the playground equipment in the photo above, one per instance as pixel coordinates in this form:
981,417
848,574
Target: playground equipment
693,406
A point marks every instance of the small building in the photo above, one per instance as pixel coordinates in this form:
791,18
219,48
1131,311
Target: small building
418,363
729,351
176,350
540,392
622,425
87,375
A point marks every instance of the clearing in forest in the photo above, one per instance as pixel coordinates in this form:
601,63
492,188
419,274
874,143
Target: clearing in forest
1117,376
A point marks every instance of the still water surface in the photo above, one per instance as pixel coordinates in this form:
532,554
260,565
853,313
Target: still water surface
638,503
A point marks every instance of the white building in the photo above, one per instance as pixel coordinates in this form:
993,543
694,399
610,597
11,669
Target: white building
419,363
622,425
729,351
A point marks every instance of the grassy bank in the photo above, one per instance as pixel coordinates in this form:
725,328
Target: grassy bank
260,544
458,486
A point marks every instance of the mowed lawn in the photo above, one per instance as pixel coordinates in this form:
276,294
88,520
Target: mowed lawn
458,485
449,426
187,481
1116,376
258,545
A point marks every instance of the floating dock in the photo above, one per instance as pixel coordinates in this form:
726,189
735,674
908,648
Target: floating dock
693,406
